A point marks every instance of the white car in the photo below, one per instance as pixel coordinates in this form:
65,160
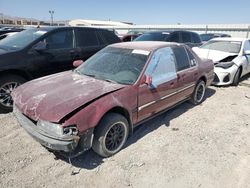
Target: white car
231,58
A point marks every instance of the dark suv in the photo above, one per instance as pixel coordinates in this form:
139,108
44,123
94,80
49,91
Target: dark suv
191,39
38,52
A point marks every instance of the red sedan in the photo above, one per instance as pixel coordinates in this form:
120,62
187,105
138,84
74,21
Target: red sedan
98,104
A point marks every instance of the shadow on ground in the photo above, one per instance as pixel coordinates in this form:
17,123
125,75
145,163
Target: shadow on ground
90,160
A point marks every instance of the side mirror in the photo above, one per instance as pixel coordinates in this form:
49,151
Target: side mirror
40,46
77,63
149,80
247,52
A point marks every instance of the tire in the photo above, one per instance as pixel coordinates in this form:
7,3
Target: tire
7,84
236,78
199,93
112,127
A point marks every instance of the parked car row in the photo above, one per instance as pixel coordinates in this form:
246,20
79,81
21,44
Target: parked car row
115,87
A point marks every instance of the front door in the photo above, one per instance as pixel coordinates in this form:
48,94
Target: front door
58,55
161,94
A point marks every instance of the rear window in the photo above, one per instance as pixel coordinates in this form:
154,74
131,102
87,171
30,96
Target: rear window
86,37
109,37
196,38
186,37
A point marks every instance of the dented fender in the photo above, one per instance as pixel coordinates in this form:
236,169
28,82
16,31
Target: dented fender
90,116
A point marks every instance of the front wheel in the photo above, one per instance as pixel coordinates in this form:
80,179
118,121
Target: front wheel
7,84
110,135
199,92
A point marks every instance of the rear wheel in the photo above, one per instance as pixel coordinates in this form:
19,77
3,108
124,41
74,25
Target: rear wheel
236,78
110,135
7,84
199,92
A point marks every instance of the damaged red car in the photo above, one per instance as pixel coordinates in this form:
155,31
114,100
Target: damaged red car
98,104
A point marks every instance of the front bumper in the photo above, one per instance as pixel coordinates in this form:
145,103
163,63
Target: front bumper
224,76
67,144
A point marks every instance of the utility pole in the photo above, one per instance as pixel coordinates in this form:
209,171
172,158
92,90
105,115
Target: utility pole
51,16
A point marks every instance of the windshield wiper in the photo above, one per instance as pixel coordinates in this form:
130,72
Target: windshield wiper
90,75
111,81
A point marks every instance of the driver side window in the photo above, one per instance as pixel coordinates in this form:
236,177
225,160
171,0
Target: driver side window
162,66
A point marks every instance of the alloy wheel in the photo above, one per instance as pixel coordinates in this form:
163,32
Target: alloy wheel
5,93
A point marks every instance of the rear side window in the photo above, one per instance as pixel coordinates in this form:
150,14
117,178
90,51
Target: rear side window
86,37
174,37
196,38
192,59
109,37
186,37
60,40
181,57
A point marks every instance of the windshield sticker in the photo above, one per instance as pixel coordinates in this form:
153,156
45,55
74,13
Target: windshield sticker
40,32
143,52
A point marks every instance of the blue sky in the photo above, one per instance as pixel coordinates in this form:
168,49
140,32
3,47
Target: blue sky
138,12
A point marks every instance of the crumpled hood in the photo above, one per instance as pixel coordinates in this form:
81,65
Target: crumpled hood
53,97
215,55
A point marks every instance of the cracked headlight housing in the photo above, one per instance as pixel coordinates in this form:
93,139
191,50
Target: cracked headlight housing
225,65
50,128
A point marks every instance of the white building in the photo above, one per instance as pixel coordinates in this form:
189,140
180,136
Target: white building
97,23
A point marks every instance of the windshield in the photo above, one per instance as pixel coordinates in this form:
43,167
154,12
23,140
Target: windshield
153,37
115,65
224,46
21,40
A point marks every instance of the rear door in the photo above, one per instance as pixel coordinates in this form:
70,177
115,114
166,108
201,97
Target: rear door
187,71
87,42
159,96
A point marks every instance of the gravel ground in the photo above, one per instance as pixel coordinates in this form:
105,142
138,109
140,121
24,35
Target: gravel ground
189,146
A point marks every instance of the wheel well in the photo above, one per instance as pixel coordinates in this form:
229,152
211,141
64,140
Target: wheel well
125,113
240,70
204,79
16,72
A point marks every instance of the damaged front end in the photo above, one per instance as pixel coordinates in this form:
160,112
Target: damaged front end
226,62
55,137
225,70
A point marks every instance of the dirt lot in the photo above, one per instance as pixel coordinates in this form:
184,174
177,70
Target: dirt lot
202,146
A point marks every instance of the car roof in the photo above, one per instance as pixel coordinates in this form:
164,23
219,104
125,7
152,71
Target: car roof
169,31
144,45
229,39
50,28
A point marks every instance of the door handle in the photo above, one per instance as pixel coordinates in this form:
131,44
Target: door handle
178,77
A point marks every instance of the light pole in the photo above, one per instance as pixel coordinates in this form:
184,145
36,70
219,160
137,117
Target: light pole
2,18
51,16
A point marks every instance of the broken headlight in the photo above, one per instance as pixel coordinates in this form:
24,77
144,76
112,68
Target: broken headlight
50,128
225,65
